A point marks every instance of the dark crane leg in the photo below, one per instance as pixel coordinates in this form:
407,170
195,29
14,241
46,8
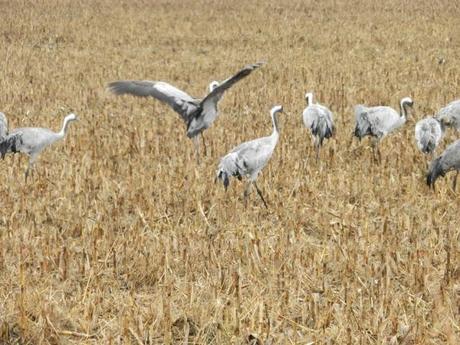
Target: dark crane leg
204,145
454,184
260,194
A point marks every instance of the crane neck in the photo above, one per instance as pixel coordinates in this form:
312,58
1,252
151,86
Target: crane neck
274,115
65,126
403,109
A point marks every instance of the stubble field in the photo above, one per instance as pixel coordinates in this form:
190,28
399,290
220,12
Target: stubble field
121,238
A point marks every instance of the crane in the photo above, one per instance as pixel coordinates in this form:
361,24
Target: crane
319,120
428,134
198,114
380,121
34,140
249,158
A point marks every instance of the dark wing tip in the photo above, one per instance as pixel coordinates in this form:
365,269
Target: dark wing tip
117,87
253,66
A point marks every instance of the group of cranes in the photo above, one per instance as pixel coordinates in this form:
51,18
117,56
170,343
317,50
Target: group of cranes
249,158
379,121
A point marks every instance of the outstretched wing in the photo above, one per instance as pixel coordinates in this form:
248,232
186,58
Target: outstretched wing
228,83
10,143
207,112
181,102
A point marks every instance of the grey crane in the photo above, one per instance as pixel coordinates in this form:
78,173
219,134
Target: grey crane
8,141
198,114
249,158
379,121
428,134
34,140
319,120
449,160
450,115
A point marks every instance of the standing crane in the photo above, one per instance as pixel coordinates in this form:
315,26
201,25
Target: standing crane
428,134
450,115
379,121
8,142
319,120
198,114
449,160
249,158
34,140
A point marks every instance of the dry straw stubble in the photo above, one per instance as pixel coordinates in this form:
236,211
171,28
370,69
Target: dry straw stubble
121,238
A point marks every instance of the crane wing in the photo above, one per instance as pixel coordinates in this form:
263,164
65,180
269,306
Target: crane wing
253,155
181,102
217,93
205,115
450,114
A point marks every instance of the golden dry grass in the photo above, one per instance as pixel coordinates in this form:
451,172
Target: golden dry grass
120,237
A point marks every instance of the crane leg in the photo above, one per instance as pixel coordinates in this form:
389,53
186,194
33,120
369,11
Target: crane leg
454,184
31,165
247,190
196,143
376,150
260,194
317,151
28,170
204,145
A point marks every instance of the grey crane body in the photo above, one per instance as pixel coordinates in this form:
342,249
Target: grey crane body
449,160
8,141
450,115
319,120
34,139
380,121
249,158
428,134
198,114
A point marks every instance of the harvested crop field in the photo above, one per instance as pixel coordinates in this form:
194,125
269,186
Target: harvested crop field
120,237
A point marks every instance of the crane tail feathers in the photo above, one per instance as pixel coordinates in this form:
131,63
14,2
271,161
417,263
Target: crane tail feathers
228,167
223,176
10,144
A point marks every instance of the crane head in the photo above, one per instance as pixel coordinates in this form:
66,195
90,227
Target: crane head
213,85
277,109
407,101
309,97
72,117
